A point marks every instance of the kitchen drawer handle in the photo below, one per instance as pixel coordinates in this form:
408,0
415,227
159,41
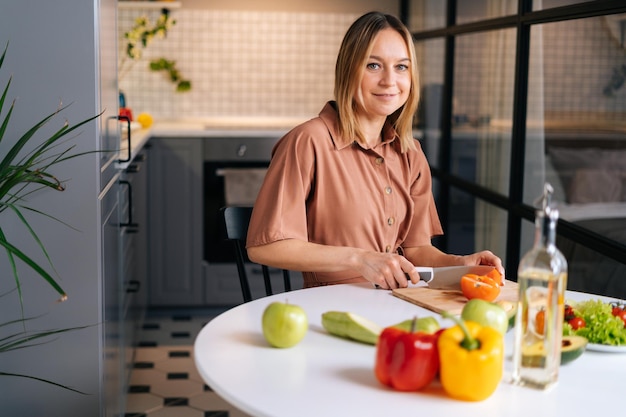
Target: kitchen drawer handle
136,165
133,168
130,222
127,137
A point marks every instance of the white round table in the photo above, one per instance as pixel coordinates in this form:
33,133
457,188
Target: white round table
327,376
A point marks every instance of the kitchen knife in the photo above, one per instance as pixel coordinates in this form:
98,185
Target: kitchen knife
448,277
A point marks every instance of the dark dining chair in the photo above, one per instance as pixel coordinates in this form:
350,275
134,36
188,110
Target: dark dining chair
236,220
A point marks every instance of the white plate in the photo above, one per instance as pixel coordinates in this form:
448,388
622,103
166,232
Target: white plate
606,348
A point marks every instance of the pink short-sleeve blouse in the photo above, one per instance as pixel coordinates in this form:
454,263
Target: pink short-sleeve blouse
322,189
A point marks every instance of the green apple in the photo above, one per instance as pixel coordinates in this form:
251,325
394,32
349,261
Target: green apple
486,313
284,324
511,310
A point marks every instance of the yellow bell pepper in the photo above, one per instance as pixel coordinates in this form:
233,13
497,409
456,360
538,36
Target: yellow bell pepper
471,359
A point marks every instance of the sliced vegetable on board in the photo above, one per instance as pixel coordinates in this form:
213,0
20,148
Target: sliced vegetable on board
479,286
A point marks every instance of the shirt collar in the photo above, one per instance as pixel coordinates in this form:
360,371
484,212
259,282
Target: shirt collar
330,117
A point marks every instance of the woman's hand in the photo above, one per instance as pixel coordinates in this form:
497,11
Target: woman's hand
431,256
387,270
484,258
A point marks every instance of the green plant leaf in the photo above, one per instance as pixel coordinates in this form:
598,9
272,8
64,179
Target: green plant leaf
25,339
34,235
169,67
47,381
183,86
21,176
5,122
17,148
15,273
6,47
33,265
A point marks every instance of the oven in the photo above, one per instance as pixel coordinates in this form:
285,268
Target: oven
234,167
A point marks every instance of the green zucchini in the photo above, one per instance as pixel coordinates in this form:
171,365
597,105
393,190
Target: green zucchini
351,326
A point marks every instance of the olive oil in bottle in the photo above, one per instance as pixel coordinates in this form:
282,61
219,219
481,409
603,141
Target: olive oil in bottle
542,279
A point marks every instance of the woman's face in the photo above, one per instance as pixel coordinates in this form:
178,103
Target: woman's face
386,81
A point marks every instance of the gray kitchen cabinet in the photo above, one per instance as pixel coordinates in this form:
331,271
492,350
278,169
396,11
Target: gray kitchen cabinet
134,250
52,65
222,283
224,289
113,329
226,160
175,222
190,262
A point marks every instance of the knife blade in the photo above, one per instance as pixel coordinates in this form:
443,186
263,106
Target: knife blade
449,277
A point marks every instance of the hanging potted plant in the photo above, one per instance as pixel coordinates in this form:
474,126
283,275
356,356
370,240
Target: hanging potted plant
139,37
23,173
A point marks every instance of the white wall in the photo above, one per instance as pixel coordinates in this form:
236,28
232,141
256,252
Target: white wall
273,59
316,6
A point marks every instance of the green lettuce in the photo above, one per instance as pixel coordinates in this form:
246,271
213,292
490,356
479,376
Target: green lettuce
601,326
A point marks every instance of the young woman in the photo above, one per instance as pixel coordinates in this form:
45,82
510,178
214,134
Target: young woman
348,194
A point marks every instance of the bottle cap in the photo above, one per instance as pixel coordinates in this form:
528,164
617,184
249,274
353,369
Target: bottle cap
547,210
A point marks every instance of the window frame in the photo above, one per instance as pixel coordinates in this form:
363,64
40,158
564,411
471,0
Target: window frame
513,204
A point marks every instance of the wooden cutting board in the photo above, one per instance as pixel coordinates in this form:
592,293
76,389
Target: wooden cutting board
448,300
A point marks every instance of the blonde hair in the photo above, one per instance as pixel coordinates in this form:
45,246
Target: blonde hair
352,58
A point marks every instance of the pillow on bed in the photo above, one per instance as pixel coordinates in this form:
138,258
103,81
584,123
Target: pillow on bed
595,186
608,166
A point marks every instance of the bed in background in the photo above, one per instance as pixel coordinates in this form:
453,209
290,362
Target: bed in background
589,177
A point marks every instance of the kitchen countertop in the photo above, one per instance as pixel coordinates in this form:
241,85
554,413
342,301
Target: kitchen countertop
250,127
205,128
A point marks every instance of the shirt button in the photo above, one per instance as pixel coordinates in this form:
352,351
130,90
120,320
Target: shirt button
391,221
388,249
379,160
388,190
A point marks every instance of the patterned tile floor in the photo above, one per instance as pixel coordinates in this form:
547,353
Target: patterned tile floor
164,381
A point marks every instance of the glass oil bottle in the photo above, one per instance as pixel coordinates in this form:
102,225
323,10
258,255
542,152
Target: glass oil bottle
542,280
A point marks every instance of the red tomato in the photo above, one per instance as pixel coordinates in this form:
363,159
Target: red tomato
477,286
577,323
568,313
621,313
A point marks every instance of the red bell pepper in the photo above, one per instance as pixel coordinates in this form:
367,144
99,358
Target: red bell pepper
406,361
